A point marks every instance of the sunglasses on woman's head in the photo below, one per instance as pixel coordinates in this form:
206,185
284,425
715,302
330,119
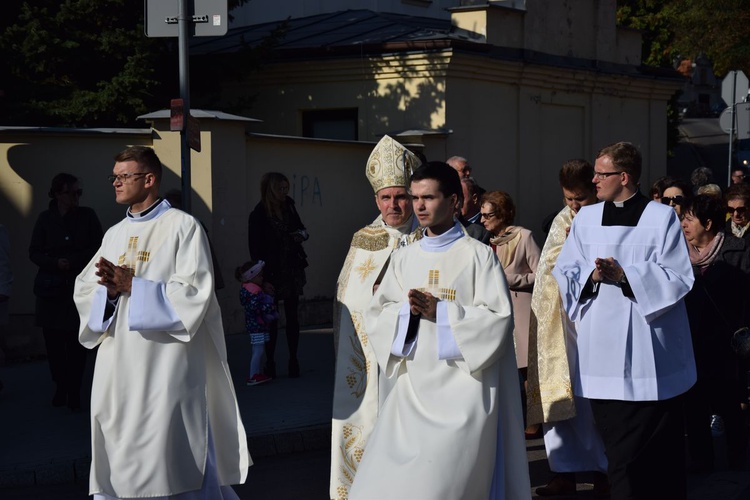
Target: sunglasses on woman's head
668,200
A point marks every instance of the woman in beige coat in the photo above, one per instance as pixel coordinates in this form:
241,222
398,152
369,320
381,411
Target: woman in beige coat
519,255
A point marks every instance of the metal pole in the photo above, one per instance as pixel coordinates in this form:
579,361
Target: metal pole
731,130
184,20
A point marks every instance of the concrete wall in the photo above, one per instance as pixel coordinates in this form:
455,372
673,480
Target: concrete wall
28,160
327,179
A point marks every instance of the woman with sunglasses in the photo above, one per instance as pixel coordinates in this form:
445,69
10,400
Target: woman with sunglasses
736,199
519,255
64,239
677,193
717,305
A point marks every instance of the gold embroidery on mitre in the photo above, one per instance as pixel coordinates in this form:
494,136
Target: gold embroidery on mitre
390,164
366,268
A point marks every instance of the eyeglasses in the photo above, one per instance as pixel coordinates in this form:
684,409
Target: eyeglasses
603,175
677,200
488,215
739,210
124,177
75,192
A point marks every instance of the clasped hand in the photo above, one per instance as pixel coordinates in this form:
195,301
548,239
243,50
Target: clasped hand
607,269
117,279
423,303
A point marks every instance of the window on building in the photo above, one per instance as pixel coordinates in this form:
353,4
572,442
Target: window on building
330,124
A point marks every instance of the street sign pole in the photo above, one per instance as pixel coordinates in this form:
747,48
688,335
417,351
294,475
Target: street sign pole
160,21
731,130
734,88
184,20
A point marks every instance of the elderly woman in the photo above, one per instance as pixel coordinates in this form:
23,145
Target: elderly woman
737,200
676,194
519,256
717,305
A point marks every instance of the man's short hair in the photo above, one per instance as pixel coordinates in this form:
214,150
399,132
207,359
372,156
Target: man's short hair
625,156
577,175
502,204
701,176
738,192
472,187
446,176
144,156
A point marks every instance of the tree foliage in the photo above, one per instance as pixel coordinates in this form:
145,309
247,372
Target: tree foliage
720,29
77,62
82,63
673,29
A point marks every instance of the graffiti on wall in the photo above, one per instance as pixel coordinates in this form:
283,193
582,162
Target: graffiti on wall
305,190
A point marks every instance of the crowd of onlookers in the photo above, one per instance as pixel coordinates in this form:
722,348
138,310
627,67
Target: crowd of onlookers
715,223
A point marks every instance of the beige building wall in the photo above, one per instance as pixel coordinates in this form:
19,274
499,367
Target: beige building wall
333,198
29,158
327,180
391,93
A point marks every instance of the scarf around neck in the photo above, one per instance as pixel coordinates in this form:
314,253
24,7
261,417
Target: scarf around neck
704,259
506,243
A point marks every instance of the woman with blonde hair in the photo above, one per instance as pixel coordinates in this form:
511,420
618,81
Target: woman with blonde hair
275,235
519,255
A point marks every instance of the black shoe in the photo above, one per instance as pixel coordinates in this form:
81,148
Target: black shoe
293,368
270,369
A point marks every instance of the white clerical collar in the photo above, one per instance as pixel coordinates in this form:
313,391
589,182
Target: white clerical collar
442,242
407,227
620,204
155,210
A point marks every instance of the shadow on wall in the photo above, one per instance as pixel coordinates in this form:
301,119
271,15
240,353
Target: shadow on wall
27,172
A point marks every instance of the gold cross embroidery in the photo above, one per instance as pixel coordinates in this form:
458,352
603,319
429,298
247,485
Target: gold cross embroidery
366,268
132,255
433,286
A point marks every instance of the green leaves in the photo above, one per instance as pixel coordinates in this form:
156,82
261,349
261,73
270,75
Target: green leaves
718,29
77,63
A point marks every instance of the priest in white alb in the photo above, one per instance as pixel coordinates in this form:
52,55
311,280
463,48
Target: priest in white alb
164,416
355,396
571,440
623,273
450,425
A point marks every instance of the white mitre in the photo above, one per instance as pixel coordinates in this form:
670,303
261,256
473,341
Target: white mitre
390,164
